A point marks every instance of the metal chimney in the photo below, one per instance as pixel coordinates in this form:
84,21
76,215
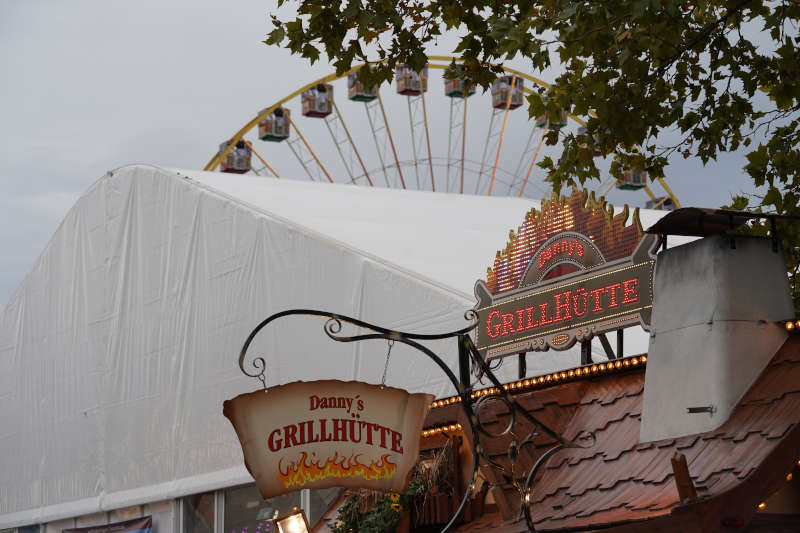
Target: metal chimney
716,304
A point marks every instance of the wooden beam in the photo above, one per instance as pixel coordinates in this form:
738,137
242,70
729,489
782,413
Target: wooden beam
683,481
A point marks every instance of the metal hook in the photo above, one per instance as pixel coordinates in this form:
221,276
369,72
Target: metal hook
386,366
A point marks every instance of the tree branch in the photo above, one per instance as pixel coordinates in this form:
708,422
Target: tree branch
704,33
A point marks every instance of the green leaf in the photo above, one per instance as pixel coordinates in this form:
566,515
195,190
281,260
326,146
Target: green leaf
276,36
310,52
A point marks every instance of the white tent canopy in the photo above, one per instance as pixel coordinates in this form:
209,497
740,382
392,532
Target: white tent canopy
119,347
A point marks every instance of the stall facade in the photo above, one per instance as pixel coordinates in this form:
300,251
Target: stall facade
120,347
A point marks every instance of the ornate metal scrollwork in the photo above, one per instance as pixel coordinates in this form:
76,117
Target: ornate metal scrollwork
469,360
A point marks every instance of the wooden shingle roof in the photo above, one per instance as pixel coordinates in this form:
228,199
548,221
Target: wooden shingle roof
622,484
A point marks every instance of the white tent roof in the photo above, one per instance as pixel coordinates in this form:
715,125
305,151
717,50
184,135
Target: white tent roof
449,239
119,347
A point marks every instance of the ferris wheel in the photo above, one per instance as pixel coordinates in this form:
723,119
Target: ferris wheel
449,139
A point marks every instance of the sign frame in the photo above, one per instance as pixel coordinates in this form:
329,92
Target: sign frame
468,356
541,314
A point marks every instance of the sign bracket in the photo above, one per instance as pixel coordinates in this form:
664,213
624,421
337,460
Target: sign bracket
468,357
607,346
464,367
586,352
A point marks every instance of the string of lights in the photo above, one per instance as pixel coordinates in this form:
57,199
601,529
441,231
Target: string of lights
789,477
545,380
538,382
430,432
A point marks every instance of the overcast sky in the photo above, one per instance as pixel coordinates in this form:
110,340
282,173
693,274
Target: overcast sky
88,86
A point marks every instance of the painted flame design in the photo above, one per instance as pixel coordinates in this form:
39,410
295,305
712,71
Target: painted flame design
304,470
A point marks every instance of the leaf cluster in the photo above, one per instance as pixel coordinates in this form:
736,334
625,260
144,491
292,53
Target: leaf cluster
716,71
717,75
366,512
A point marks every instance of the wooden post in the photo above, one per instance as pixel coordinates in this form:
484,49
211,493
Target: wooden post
683,481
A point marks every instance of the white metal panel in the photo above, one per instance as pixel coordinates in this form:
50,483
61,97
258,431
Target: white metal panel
713,331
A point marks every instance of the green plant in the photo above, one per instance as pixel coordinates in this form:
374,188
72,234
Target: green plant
374,512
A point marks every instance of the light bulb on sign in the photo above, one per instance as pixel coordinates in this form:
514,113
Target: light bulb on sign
293,523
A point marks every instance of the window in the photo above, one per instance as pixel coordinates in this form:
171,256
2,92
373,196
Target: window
96,519
126,513
247,512
162,516
198,513
57,526
321,500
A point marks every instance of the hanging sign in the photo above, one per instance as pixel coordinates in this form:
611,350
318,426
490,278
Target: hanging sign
570,272
330,433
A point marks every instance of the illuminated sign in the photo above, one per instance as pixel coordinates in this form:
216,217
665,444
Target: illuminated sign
571,272
566,247
329,433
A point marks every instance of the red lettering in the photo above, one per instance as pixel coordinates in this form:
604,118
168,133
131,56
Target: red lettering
493,330
508,319
290,436
369,428
311,436
302,428
563,306
576,298
274,446
323,435
545,257
384,431
629,291
530,323
544,321
612,294
339,430
597,302
396,444
569,247
353,427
